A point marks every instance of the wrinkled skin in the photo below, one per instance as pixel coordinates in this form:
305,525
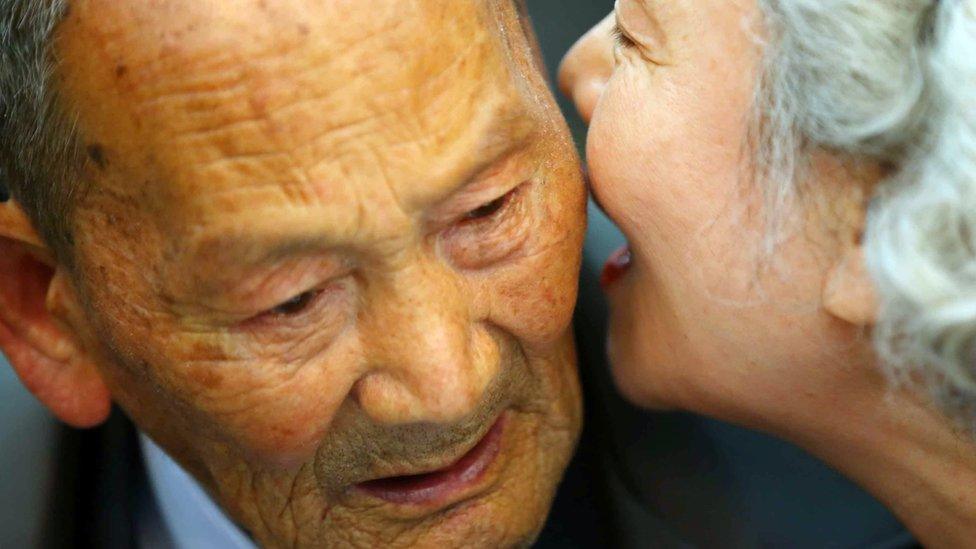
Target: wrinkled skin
705,319
244,154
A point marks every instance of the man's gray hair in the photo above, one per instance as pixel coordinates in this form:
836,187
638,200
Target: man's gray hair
39,150
893,80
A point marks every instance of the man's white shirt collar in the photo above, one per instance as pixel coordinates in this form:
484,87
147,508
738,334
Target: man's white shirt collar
191,518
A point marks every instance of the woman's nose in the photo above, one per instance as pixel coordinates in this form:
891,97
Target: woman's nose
587,67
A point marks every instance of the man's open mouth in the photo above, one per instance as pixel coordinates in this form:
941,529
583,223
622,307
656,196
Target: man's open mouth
441,484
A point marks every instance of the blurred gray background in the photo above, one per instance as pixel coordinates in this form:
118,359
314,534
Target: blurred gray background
27,440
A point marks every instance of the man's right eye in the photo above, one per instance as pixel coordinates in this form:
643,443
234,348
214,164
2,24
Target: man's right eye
296,304
313,316
292,307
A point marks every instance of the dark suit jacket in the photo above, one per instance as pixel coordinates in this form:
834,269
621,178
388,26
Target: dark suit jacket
98,485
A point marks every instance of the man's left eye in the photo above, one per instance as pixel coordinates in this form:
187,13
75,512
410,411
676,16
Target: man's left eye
489,209
489,233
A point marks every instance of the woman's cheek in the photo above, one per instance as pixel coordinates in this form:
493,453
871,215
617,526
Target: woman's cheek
620,161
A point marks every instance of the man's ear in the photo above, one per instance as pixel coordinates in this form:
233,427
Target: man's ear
35,295
848,292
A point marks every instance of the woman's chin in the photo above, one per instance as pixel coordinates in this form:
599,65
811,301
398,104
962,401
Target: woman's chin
632,367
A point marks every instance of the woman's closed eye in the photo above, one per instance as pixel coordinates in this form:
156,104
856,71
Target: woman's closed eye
638,30
621,39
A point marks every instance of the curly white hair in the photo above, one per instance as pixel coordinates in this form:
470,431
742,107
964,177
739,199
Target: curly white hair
893,80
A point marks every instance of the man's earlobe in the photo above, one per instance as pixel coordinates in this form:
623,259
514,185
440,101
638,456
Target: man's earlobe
848,292
43,352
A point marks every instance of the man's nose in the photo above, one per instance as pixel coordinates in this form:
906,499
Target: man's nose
587,67
428,361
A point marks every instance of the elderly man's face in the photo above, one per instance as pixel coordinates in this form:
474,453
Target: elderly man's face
330,257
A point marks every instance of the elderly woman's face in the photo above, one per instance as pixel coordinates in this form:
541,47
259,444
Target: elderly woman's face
330,259
700,319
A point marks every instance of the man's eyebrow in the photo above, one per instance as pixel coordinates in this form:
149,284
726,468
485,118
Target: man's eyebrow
248,254
254,250
494,155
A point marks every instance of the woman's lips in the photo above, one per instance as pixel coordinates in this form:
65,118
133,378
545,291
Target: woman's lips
615,267
440,485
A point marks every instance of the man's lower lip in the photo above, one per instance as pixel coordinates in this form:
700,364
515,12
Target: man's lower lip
440,485
616,266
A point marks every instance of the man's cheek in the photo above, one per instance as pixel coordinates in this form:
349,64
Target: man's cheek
535,302
537,295
285,431
268,416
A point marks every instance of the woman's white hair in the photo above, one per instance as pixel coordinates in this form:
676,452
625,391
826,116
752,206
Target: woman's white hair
893,80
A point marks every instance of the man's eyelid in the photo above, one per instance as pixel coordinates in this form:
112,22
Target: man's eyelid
487,187
495,206
477,200
281,284
312,297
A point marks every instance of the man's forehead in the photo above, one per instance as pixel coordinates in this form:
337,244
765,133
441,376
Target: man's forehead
280,92
164,28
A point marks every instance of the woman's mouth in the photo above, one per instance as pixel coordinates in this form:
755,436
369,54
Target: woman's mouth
615,267
442,484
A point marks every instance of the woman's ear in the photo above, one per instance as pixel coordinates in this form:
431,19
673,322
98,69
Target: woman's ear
848,291
35,295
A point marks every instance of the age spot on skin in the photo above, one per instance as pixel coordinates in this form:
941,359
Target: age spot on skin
96,152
